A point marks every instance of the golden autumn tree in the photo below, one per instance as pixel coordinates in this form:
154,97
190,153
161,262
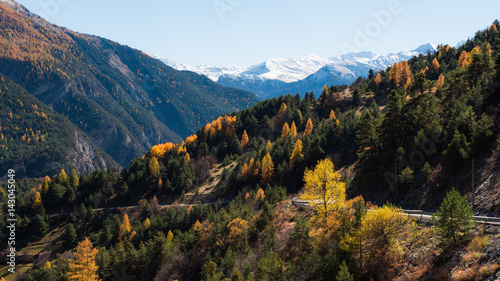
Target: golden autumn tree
268,145
125,227
395,73
324,188
378,79
83,267
244,139
154,167
493,28
63,177
37,202
147,223
434,65
267,169
309,127
283,108
47,265
384,232
260,195
285,131
237,229
75,181
296,153
440,82
405,73
463,60
170,239
332,115
293,130
45,184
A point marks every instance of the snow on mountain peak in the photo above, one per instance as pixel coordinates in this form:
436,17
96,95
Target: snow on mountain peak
426,48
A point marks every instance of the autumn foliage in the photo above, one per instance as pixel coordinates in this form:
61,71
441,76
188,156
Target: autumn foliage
83,267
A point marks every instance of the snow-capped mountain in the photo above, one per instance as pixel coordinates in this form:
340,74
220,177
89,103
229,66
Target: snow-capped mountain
287,75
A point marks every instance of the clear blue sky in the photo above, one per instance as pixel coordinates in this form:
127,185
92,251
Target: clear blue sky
246,32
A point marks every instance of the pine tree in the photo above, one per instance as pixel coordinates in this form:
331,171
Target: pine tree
83,267
125,227
453,220
285,131
293,130
69,235
74,179
296,153
309,127
47,265
426,172
267,169
244,139
343,274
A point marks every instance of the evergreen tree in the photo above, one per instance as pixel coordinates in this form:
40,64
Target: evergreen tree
69,235
344,274
453,220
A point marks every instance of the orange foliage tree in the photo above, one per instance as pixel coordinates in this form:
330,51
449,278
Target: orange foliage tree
309,127
244,139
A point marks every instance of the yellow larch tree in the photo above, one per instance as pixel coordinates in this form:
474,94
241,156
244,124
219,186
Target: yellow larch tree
309,127
378,79
332,115
147,223
463,60
285,131
384,233
324,188
63,177
45,184
244,139
283,108
293,130
440,82
267,170
37,202
154,167
395,73
237,229
435,64
296,153
83,267
260,195
125,227
268,145
47,265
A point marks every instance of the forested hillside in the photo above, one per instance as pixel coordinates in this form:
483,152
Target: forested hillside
404,136
37,141
123,99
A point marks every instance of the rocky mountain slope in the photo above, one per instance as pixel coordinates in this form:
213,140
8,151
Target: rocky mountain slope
123,99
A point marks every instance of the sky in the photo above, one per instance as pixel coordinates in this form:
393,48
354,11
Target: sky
247,32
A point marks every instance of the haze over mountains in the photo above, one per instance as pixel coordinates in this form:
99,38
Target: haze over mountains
283,76
124,100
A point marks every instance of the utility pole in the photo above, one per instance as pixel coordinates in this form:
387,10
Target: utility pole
472,184
396,178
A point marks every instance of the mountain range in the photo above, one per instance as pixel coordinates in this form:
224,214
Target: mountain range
122,100
283,76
